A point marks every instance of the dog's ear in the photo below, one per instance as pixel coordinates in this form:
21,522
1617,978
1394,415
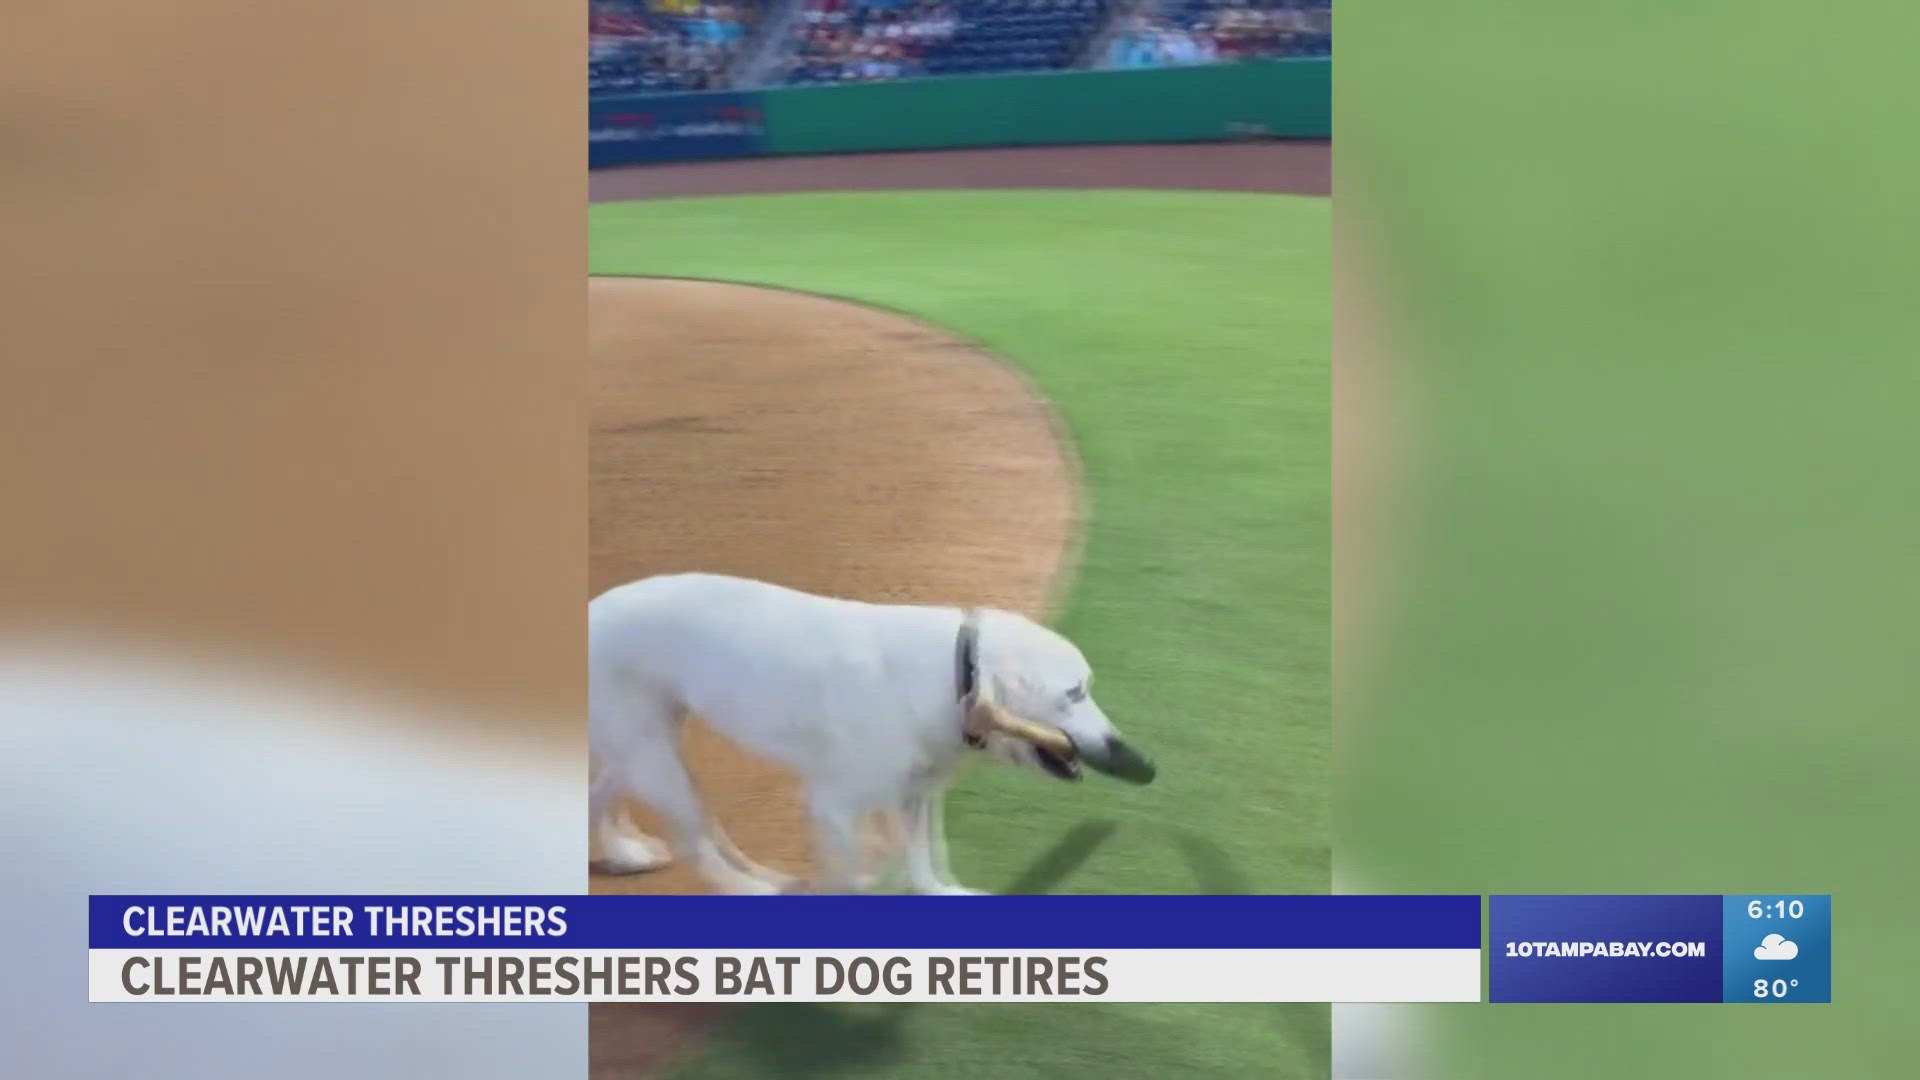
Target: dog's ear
984,717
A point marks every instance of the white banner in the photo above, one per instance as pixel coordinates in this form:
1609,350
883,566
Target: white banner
1191,975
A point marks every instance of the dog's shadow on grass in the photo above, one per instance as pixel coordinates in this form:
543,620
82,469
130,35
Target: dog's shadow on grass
819,1039
1306,1024
1059,862
807,1039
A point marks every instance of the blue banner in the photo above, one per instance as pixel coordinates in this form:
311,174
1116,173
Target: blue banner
674,127
790,922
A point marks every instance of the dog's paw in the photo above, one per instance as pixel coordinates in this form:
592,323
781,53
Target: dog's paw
859,887
953,890
632,855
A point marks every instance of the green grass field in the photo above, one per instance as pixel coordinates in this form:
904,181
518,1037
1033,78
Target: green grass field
1656,582
1185,339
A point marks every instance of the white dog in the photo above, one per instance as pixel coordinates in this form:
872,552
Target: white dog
872,705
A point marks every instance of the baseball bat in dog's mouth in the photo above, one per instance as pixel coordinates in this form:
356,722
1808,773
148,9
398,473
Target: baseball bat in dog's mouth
986,716
1115,758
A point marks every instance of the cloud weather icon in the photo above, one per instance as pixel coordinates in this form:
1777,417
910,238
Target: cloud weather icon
1775,947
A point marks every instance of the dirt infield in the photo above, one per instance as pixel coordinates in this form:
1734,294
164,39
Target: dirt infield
831,447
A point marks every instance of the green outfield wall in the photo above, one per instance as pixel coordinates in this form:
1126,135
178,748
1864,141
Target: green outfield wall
1270,98
1289,98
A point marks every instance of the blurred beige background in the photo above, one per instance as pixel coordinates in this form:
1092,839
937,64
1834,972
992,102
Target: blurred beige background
294,333
291,394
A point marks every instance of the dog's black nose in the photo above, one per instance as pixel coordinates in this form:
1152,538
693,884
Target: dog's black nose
1117,759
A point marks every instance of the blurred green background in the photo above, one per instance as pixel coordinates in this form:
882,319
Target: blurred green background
1184,338
1646,618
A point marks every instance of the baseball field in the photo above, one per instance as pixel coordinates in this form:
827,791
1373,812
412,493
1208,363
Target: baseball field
1109,408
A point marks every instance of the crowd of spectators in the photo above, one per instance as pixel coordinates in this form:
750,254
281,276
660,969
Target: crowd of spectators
663,45
1177,32
864,40
670,45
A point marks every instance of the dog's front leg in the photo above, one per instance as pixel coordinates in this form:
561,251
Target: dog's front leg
836,847
926,847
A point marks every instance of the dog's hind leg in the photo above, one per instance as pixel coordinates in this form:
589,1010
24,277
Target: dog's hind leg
616,845
653,771
622,848
634,738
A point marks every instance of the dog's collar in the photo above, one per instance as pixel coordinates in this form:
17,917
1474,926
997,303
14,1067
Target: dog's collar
966,647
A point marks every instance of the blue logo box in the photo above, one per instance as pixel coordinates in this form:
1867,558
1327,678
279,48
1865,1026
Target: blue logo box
1604,948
